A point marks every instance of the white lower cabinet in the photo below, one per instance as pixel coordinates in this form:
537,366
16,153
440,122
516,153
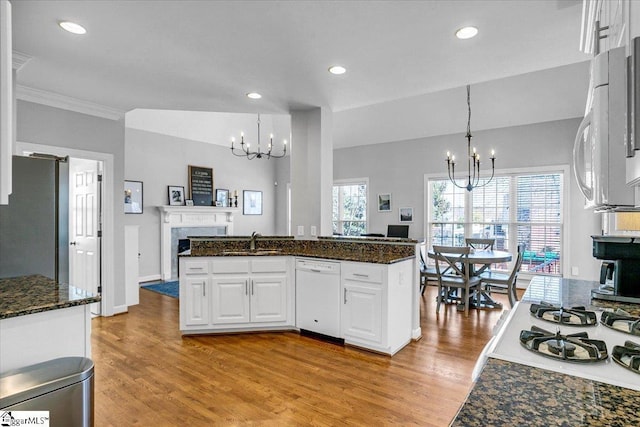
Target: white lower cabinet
375,310
223,294
362,312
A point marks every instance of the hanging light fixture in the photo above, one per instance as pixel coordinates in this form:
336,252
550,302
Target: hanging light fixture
245,149
473,159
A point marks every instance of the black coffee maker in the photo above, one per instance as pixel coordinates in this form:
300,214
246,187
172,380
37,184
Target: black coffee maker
620,271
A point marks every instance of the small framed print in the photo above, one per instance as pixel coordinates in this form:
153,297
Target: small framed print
252,202
188,202
176,195
222,197
406,214
133,197
384,202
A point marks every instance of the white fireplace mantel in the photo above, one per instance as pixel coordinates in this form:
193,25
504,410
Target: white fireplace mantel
189,216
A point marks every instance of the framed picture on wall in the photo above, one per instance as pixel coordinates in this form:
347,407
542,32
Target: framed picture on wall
176,195
133,197
252,202
384,202
406,214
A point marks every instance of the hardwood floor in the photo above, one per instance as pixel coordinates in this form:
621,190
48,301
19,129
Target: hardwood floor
147,374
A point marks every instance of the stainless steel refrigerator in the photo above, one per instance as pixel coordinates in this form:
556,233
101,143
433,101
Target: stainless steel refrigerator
34,236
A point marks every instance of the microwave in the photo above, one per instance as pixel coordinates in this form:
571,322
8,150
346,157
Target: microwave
599,151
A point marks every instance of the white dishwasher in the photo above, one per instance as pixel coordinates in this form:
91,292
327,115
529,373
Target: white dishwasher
318,296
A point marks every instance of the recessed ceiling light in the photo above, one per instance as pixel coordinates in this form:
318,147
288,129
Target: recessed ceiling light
337,69
72,27
254,95
466,32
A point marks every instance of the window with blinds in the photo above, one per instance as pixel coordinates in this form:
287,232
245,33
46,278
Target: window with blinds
514,209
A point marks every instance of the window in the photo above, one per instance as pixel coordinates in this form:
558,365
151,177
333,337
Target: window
350,207
514,209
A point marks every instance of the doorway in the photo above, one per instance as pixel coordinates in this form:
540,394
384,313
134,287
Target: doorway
99,268
85,226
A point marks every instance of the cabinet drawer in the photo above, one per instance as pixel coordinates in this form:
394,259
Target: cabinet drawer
230,265
370,273
269,265
196,267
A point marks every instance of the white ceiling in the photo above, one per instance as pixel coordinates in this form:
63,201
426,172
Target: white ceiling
206,55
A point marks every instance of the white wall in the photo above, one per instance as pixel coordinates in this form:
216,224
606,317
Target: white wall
162,160
399,168
40,124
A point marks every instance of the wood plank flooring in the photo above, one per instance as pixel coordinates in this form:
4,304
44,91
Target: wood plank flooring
147,374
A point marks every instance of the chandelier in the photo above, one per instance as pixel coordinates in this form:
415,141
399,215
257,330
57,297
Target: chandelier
473,159
245,149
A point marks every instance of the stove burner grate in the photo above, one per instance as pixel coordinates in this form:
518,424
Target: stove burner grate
621,321
574,316
572,348
627,356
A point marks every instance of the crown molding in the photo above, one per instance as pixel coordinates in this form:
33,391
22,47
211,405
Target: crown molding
64,102
19,59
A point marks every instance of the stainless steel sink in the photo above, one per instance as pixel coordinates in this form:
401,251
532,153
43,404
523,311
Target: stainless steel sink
256,252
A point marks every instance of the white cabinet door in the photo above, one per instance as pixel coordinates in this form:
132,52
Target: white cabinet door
230,300
362,312
196,303
268,298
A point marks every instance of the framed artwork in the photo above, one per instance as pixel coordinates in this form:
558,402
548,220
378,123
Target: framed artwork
176,195
201,185
133,197
222,197
252,202
188,202
406,214
384,202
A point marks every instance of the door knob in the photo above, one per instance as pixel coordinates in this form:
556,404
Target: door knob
72,243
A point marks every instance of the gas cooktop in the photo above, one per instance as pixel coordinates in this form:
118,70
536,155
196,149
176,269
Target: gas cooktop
508,345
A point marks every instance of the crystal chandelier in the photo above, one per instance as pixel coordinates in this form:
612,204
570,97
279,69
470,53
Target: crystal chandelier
245,149
473,159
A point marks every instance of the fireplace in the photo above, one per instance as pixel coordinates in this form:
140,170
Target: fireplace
189,221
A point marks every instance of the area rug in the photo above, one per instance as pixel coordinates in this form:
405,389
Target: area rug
166,288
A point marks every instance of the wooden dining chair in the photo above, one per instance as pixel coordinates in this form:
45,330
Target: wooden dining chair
454,259
504,283
480,244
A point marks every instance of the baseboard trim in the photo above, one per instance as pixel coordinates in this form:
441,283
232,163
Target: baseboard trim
151,278
119,309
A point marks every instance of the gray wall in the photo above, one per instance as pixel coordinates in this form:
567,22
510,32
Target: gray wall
40,124
399,168
162,160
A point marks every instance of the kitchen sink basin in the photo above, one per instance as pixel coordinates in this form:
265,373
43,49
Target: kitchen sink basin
256,252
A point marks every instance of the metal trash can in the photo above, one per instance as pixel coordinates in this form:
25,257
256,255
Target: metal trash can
63,386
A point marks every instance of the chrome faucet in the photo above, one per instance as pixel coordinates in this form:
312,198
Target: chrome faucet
252,242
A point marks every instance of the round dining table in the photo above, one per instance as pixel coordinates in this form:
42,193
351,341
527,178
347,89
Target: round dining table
484,259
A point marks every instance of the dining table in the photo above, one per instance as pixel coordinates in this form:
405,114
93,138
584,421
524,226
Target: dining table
477,262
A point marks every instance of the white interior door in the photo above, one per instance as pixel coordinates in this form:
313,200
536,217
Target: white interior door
84,226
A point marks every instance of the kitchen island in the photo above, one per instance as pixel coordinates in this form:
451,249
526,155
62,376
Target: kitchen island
509,393
243,284
41,319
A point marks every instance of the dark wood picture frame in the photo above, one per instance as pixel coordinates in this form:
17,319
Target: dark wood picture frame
176,195
201,185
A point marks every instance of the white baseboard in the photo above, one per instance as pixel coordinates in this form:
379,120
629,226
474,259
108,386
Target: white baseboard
119,309
151,278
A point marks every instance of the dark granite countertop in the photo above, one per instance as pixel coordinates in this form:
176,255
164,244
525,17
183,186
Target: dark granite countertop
371,250
508,394
24,295
511,394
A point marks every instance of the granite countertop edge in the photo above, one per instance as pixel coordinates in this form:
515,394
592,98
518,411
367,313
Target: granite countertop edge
188,254
31,294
